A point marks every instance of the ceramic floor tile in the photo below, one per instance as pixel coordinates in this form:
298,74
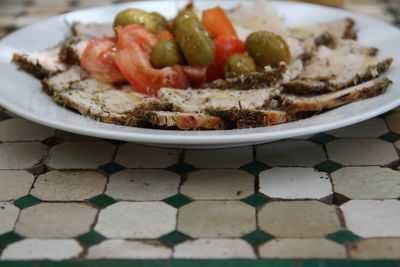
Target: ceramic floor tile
361,151
54,8
312,219
210,219
371,128
376,248
218,184
69,185
40,249
220,158
214,249
76,155
14,184
67,136
393,121
295,183
8,216
21,155
128,249
304,248
291,153
55,220
136,220
11,9
137,156
18,129
143,184
373,218
367,182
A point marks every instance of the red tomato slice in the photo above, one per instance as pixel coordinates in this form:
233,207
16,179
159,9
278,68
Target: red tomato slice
217,23
134,34
225,46
98,59
164,34
196,75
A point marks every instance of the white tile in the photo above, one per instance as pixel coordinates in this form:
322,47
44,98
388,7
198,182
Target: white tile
295,183
80,155
216,219
304,248
14,184
138,156
128,249
298,219
291,153
367,182
219,158
143,184
373,218
8,216
69,185
214,249
376,248
361,151
393,120
371,128
136,220
55,220
21,155
218,184
17,129
41,249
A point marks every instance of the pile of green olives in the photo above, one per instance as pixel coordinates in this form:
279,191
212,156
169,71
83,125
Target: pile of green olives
151,21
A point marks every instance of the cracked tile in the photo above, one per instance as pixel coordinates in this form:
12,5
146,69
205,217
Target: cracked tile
21,155
55,220
376,248
14,184
367,182
214,249
129,249
219,158
218,184
361,151
143,184
295,183
383,217
69,185
138,156
291,153
80,155
312,219
374,127
8,214
136,220
211,219
17,129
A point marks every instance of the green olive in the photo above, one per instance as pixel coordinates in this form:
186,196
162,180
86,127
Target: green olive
239,64
195,42
136,16
185,14
267,48
161,21
166,53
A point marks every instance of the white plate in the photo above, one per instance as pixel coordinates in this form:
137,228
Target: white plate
21,93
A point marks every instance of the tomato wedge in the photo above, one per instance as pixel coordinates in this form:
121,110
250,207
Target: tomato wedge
217,23
98,59
134,34
196,75
225,46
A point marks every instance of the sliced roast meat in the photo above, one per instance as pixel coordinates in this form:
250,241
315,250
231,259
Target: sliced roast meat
62,81
72,50
294,104
92,30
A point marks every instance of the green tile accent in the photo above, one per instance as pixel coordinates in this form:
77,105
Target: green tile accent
177,201
173,238
254,167
4,116
182,168
26,201
347,263
257,237
102,201
10,28
255,200
322,138
231,263
8,238
390,137
18,264
343,237
111,168
91,238
328,166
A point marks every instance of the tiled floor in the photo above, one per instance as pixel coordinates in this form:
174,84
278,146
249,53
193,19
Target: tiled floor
63,196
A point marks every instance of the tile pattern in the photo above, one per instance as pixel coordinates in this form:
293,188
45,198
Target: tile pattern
66,196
